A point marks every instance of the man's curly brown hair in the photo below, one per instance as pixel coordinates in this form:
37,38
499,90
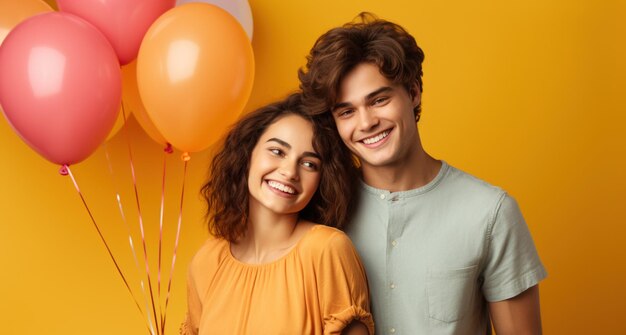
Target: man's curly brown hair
367,39
226,190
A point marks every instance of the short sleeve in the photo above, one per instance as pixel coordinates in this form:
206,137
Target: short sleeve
194,308
512,265
343,291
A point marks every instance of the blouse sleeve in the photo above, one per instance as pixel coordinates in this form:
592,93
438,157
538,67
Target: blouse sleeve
343,290
194,308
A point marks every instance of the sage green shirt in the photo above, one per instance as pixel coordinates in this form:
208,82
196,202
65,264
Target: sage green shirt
435,255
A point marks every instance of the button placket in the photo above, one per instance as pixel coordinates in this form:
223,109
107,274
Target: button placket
394,232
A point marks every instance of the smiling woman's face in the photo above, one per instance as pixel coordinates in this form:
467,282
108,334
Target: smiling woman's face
284,168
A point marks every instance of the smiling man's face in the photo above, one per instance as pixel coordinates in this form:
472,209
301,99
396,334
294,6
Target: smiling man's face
375,117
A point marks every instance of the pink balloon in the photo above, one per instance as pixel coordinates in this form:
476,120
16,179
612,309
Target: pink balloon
60,86
123,22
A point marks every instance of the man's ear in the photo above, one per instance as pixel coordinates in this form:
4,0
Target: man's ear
416,94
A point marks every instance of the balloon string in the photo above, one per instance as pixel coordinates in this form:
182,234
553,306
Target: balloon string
119,270
180,218
167,150
130,237
143,235
143,289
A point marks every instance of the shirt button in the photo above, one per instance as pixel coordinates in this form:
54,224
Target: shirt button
382,196
392,330
392,286
394,243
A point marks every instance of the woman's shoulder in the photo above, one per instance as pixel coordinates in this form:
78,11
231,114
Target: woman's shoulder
330,252
212,252
324,239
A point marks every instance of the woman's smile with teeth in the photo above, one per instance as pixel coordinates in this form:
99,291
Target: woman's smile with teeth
377,138
281,187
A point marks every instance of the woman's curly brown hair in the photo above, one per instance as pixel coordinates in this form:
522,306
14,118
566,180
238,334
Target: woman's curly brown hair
367,39
226,190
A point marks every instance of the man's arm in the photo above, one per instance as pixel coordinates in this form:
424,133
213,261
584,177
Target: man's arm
519,315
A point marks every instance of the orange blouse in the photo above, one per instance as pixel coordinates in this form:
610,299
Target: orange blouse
319,287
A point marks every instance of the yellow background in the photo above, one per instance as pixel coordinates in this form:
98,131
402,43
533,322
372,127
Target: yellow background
528,95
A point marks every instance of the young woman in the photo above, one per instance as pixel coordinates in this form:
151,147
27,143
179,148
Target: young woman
276,263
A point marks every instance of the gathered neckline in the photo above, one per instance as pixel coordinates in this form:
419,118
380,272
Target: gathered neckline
276,261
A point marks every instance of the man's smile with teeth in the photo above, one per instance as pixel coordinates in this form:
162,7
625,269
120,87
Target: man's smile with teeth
377,138
281,187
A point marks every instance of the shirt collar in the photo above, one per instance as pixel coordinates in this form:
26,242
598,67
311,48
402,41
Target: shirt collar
409,193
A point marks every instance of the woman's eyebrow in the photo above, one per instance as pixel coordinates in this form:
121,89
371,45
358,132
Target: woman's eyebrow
279,141
287,145
311,154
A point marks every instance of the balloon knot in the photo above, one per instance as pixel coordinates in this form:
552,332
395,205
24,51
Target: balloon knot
168,148
63,170
185,157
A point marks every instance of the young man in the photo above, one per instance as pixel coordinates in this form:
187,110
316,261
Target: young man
445,253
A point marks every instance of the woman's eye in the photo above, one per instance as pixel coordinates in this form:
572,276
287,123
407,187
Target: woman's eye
276,152
309,165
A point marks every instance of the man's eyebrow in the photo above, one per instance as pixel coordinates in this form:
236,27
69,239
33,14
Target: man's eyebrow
383,89
340,105
279,141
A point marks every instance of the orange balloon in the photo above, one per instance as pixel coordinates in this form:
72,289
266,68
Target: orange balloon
132,102
195,71
13,12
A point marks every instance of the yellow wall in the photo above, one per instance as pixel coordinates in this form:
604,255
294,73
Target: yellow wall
528,95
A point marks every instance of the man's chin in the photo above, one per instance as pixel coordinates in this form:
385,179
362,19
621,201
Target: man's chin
376,162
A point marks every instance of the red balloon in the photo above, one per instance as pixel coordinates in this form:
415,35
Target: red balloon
60,86
123,22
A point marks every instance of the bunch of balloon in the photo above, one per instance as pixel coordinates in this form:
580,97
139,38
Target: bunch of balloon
60,78
62,84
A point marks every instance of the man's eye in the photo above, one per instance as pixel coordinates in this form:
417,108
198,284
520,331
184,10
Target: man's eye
345,112
380,100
